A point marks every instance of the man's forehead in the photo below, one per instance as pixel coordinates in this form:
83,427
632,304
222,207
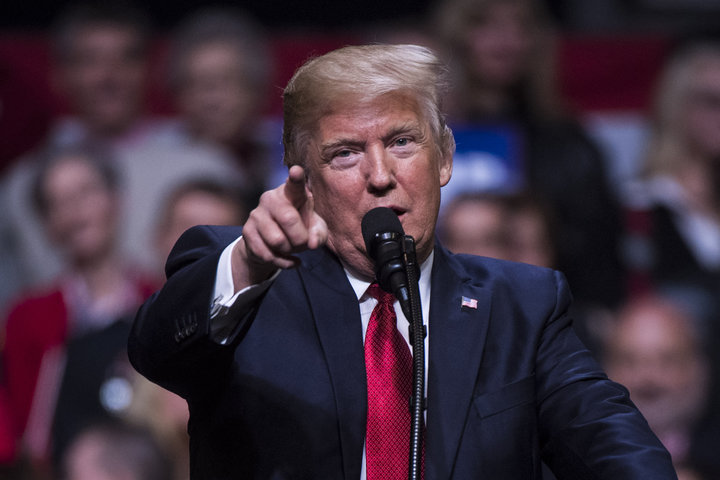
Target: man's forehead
384,113
107,37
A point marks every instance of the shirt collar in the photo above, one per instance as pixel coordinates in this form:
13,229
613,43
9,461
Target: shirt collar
360,286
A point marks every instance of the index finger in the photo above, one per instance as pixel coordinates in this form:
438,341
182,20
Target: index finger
295,187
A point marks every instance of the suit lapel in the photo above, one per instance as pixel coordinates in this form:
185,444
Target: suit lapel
457,338
337,318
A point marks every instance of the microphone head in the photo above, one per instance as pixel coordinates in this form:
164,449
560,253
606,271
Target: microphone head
378,221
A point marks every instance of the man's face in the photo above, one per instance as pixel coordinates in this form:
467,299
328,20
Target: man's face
103,77
216,98
196,208
477,228
501,45
654,356
375,154
81,210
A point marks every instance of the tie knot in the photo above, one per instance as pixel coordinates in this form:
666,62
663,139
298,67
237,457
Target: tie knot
380,295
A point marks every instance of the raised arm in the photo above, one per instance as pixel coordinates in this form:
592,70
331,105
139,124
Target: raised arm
172,341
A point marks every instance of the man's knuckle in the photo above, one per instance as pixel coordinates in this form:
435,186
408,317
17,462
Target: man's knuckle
288,217
276,241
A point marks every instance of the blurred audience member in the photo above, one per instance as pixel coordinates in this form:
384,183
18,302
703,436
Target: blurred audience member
151,174
683,171
503,50
658,351
515,227
520,228
100,55
219,73
65,350
531,228
115,452
476,224
502,53
166,415
197,202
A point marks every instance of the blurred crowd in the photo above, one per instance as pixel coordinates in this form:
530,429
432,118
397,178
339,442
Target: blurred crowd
93,207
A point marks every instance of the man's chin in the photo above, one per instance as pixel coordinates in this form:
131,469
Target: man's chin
358,264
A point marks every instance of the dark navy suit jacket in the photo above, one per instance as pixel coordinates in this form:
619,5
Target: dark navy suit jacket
509,384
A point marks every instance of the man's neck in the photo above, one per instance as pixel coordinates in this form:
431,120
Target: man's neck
360,284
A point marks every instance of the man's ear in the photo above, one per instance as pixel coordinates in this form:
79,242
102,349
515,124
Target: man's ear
445,167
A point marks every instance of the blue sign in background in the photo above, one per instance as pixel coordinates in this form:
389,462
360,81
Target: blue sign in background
488,159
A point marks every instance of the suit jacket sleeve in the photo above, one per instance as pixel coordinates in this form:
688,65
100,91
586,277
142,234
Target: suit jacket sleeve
170,342
589,427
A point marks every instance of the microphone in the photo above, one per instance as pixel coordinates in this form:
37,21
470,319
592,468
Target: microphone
395,268
384,236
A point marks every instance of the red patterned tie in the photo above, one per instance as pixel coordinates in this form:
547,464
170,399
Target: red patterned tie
388,364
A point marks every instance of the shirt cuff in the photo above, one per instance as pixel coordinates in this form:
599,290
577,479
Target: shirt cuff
228,307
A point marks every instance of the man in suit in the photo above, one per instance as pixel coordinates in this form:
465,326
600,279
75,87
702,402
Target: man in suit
264,333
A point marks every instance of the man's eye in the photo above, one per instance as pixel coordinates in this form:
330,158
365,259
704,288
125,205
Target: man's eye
344,158
402,142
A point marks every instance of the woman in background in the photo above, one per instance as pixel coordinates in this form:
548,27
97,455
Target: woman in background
502,54
682,171
65,354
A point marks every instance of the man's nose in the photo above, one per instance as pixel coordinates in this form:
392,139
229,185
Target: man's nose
381,169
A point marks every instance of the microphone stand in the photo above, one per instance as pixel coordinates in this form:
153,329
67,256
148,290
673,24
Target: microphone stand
418,333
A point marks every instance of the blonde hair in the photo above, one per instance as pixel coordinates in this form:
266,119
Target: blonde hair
667,147
363,73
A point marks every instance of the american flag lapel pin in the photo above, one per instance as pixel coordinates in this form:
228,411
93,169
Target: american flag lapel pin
468,303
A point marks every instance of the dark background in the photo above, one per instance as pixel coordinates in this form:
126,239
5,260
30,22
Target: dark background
591,16
332,14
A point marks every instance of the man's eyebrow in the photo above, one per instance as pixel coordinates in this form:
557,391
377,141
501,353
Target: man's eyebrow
340,143
410,127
